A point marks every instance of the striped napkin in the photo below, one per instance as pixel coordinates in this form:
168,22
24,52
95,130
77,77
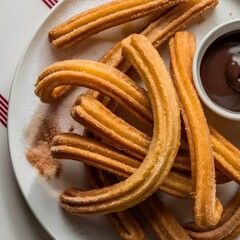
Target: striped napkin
3,101
50,3
15,215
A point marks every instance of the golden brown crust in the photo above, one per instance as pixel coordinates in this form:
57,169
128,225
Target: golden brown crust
113,130
125,223
94,153
207,209
103,17
56,80
226,155
161,220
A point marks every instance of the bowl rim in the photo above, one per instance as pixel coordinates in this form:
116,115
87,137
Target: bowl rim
211,36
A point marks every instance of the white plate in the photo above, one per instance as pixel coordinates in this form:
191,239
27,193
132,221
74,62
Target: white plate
26,111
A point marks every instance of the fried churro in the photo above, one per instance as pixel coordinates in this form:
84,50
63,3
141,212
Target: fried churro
163,148
56,80
162,105
161,220
125,223
103,17
207,208
91,152
226,154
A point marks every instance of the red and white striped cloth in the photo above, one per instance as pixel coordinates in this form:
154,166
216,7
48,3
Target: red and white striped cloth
3,110
50,3
17,31
3,101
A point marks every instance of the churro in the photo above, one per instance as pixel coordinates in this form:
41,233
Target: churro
92,152
226,154
103,17
75,147
161,220
163,148
56,80
207,208
125,223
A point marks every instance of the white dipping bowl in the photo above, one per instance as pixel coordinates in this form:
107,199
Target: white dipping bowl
213,35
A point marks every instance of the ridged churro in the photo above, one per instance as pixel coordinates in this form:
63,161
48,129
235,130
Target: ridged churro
207,208
75,147
161,220
103,17
226,154
92,152
56,80
125,223
162,151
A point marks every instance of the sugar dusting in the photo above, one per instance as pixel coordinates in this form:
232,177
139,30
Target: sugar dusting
39,155
48,121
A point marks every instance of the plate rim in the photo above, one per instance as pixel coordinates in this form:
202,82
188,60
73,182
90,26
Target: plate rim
12,90
10,107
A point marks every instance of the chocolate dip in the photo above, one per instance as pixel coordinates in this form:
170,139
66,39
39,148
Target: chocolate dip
220,71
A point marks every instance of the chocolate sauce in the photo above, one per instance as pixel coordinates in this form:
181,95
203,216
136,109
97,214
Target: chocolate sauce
220,71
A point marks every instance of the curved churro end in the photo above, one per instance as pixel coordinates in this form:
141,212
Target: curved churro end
59,77
227,227
113,130
207,209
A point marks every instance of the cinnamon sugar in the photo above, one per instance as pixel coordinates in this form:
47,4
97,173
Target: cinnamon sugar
40,157
39,154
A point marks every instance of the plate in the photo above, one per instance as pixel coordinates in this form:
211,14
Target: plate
26,112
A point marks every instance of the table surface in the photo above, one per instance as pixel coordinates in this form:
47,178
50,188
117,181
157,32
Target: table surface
19,21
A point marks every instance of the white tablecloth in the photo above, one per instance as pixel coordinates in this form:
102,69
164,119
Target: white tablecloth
19,19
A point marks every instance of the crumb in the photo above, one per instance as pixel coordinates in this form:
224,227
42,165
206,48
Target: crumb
71,129
201,20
